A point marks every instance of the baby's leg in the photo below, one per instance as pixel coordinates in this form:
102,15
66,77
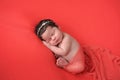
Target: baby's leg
77,64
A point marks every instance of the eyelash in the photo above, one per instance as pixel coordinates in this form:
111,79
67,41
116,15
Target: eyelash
51,35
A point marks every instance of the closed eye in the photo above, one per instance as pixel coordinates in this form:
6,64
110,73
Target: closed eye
52,33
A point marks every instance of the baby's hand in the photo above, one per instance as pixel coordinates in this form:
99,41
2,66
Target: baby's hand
46,44
61,62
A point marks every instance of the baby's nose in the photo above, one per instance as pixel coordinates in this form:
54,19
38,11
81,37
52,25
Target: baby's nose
53,38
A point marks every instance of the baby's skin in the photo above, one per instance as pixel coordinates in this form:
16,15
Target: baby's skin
62,44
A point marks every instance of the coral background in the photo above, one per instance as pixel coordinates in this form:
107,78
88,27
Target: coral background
24,57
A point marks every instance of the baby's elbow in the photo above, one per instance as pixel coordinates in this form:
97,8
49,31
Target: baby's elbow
63,53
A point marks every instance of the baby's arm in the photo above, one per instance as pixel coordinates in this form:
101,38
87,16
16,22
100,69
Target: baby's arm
63,48
57,50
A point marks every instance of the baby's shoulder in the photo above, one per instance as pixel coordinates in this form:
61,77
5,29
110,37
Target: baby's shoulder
66,35
71,38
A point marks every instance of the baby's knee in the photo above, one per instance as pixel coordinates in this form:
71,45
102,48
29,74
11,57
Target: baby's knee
79,68
76,68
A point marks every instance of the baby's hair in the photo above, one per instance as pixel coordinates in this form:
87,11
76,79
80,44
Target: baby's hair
42,25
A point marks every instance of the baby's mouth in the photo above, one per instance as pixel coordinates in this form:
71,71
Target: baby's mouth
56,40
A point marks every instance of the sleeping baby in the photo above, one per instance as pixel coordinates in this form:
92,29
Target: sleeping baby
69,55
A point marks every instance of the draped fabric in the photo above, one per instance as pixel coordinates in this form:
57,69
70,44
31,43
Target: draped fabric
102,64
91,22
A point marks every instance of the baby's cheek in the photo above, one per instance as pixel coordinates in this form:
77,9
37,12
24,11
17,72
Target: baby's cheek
52,43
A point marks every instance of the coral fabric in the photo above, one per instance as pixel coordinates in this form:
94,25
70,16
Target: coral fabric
24,57
104,65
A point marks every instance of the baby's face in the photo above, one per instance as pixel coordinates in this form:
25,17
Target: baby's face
52,35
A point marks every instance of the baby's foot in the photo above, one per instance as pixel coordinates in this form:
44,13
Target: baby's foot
61,62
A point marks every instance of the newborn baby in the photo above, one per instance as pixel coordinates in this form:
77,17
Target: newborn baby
69,54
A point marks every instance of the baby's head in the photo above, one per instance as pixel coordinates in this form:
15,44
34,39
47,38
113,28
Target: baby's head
48,31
